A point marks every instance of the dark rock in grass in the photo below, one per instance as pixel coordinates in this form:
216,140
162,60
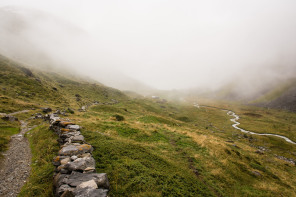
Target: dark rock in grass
76,178
260,152
54,88
90,192
27,72
38,115
230,141
71,111
256,173
46,109
37,79
9,118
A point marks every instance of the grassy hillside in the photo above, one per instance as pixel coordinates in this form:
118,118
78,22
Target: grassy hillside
151,147
40,88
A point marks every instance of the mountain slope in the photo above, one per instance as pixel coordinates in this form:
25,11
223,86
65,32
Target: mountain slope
49,88
281,97
153,147
279,94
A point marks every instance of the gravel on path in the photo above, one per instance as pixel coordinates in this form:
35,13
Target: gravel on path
16,166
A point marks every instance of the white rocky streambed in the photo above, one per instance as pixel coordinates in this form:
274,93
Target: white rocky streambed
236,123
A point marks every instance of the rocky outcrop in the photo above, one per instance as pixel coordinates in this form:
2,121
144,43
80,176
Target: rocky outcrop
9,118
75,173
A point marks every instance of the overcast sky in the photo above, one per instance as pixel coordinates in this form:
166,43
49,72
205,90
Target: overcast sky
181,44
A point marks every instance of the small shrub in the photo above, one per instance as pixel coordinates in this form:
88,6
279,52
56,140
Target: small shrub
118,117
71,111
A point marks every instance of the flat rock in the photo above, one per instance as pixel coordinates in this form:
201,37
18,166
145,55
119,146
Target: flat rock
90,192
68,150
65,161
76,178
73,127
91,184
65,123
78,138
71,150
81,164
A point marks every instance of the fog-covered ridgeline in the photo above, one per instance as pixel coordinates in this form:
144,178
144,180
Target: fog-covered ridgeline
163,44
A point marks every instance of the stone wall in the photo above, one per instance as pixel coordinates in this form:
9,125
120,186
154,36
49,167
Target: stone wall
75,173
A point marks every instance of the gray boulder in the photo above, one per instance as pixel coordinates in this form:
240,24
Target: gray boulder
81,164
90,192
73,127
68,193
9,118
46,109
77,139
76,178
64,188
71,150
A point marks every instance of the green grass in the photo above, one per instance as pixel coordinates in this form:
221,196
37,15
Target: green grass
134,169
44,148
156,132
7,129
157,148
269,121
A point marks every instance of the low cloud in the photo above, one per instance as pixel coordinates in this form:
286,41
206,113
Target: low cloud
164,44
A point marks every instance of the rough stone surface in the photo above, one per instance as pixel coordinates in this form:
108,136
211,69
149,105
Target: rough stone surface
91,184
78,138
64,188
75,166
90,192
69,150
65,161
73,127
67,194
81,164
46,109
9,118
76,178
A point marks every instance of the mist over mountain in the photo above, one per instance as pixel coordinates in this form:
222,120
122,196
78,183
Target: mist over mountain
195,45
147,98
42,40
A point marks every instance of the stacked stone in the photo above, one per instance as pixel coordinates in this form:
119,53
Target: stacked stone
75,167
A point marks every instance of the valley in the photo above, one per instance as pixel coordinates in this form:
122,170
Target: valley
151,146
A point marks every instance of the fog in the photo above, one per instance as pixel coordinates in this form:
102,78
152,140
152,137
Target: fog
159,44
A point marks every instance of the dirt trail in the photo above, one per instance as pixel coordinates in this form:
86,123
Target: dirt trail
14,113
15,167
